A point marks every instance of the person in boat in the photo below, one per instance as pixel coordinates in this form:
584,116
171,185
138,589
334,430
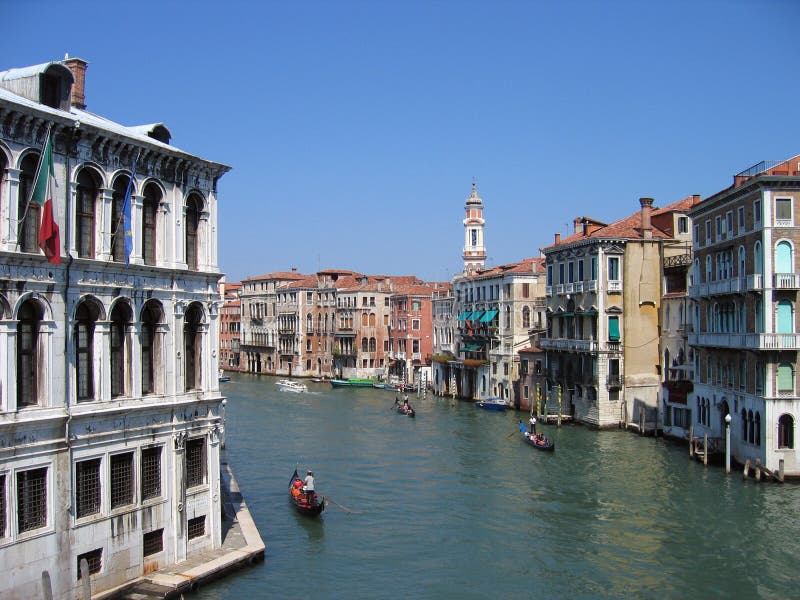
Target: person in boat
521,427
396,401
308,486
533,425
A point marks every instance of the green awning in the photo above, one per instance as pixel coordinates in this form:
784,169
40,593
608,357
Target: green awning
463,316
566,315
471,347
490,314
476,315
613,329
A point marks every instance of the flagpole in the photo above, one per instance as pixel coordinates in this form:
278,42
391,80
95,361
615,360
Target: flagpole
21,222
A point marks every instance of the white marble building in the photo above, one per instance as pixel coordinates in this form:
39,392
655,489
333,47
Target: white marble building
110,409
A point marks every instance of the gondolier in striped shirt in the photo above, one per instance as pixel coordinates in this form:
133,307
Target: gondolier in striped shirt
308,486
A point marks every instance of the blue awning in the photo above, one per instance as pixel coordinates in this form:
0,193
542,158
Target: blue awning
463,316
476,315
490,314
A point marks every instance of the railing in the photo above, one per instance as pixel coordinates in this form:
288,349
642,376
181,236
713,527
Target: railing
784,222
680,260
568,345
786,281
764,165
718,340
548,291
578,287
773,341
755,282
614,285
613,381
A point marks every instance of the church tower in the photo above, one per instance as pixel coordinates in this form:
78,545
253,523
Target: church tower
474,250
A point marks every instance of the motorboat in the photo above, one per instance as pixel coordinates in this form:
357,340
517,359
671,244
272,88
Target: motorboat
493,404
288,385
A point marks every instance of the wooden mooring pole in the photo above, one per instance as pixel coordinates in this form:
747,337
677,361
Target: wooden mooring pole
691,440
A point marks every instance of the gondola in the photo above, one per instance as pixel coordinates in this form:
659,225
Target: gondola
409,412
540,442
298,498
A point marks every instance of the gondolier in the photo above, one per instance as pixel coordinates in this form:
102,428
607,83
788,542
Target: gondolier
308,485
533,424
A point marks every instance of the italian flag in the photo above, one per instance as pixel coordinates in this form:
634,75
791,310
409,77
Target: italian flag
49,238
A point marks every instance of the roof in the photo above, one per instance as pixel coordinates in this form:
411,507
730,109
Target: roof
527,266
627,228
83,117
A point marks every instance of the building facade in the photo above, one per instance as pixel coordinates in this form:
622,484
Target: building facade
110,410
230,327
603,301
745,289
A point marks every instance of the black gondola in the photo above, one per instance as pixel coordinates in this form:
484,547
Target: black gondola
409,412
300,499
539,441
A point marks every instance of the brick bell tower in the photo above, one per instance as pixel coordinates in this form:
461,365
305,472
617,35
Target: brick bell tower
474,251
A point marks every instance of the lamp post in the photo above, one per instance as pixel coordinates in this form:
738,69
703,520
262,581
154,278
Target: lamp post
728,443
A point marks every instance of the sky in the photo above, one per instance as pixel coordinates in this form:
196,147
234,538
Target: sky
355,129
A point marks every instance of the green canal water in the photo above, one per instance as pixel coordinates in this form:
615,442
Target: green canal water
447,506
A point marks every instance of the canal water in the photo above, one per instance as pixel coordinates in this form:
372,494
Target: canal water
448,506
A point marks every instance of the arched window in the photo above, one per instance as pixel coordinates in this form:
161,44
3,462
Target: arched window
526,317
758,429
708,268
758,263
759,312
86,197
373,345
151,316
744,425
742,262
786,431
784,317
783,258
192,344
750,432
193,208
86,317
120,320
372,319
696,275
507,317
364,319
150,202
29,233
364,344
30,317
785,379
117,219
309,323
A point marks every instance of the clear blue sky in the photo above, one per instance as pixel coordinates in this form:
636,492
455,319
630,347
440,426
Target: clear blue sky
355,128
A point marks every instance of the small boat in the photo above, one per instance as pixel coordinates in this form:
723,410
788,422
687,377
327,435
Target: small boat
353,382
493,404
539,441
319,379
300,499
291,386
409,412
223,377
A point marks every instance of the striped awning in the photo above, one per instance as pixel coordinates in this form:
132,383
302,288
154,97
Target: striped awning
476,315
463,316
490,314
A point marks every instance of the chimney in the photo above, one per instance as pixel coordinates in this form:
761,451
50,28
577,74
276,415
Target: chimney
294,269
78,68
558,238
695,199
576,225
647,229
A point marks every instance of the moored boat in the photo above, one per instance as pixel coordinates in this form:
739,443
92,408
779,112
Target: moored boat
492,404
223,377
291,386
352,382
539,441
306,506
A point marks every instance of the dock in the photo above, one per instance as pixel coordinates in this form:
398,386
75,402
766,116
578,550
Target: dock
241,546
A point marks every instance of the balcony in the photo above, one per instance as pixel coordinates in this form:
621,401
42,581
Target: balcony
718,340
578,287
755,282
568,345
548,291
773,341
786,281
614,286
591,286
613,381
